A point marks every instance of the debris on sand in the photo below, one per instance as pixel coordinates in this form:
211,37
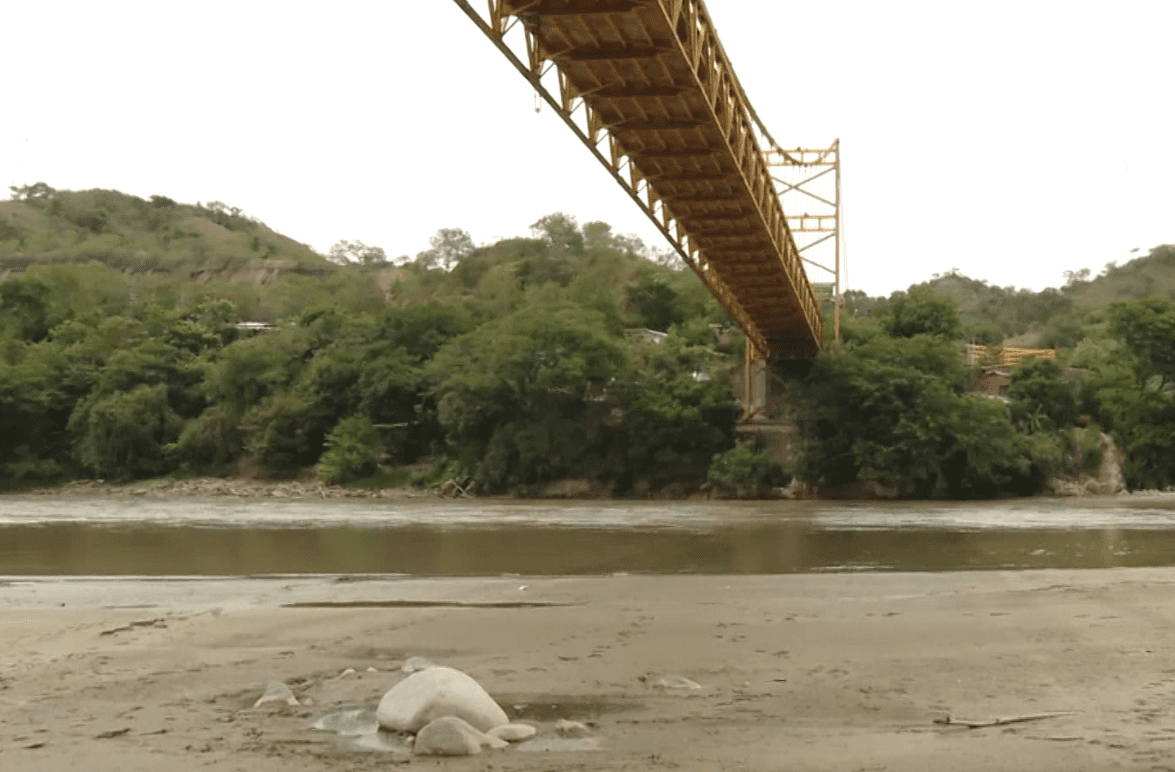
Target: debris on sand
276,691
677,682
348,723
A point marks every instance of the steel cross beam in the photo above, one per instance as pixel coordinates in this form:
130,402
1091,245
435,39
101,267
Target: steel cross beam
647,88
808,183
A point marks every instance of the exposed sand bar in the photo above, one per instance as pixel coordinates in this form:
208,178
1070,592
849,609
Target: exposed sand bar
801,672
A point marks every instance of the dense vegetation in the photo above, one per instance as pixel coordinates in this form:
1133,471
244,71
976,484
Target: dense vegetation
891,404
509,364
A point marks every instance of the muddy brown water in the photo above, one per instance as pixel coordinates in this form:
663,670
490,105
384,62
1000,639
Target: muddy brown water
107,536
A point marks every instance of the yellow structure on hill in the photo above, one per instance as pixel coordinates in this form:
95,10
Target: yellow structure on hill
1004,356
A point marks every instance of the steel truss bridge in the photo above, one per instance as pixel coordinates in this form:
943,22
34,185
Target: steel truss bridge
647,87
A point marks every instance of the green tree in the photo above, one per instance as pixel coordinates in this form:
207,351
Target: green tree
36,193
423,329
560,232
33,411
680,411
655,303
1042,400
212,442
511,395
447,248
923,311
1147,327
351,451
24,307
983,455
123,435
346,252
278,433
246,371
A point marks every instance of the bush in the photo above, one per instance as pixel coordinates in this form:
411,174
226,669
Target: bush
277,432
122,435
745,472
209,443
351,451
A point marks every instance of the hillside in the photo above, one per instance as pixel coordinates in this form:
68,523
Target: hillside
121,353
1152,275
41,225
1051,317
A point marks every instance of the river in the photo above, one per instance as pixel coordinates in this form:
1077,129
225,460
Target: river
138,536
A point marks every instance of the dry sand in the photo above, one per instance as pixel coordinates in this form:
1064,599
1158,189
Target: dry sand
815,672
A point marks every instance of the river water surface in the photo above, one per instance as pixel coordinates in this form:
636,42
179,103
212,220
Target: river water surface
137,536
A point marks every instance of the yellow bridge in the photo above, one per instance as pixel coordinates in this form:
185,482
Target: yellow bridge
647,88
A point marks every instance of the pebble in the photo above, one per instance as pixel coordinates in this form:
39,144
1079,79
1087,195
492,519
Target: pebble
568,728
513,732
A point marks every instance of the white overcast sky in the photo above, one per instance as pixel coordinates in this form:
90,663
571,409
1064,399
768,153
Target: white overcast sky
1010,140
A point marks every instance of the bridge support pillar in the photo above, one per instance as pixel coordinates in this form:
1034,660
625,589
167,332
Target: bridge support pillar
756,383
768,408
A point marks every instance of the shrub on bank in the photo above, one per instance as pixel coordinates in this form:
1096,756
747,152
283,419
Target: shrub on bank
351,451
745,472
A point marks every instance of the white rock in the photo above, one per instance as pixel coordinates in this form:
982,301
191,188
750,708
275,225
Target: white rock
452,736
571,728
447,736
513,732
436,692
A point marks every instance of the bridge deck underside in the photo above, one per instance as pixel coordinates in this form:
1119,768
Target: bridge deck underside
646,69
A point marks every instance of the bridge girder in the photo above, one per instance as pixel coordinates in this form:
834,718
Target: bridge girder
647,87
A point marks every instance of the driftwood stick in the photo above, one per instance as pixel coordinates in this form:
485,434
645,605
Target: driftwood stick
951,721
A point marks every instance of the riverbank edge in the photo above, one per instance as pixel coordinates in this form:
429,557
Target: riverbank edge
248,488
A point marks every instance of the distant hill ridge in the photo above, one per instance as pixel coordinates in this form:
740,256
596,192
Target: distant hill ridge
1049,318
214,242
204,242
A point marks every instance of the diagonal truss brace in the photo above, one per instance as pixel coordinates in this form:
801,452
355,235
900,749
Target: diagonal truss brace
813,205
548,81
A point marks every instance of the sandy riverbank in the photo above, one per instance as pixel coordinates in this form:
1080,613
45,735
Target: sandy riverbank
801,672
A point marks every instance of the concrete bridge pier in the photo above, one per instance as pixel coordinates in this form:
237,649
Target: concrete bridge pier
769,416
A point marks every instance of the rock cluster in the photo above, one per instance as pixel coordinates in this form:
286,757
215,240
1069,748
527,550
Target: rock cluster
434,693
1109,479
449,712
